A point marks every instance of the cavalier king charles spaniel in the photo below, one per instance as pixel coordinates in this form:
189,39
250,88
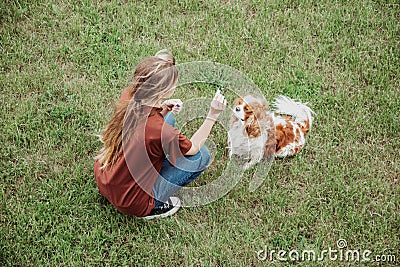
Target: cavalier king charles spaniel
256,132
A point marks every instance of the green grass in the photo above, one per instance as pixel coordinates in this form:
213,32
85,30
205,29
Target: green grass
64,63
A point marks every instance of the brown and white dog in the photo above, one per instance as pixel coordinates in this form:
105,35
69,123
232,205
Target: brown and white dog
256,132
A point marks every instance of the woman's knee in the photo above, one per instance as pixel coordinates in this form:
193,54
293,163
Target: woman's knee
205,155
170,119
196,162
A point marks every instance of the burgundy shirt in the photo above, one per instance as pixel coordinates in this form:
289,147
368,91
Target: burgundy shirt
129,182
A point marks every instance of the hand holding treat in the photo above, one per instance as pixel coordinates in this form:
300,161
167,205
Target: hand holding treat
174,105
218,104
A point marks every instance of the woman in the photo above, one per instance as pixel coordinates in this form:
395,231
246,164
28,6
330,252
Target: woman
144,159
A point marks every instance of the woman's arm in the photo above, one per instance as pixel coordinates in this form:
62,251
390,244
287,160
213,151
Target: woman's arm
198,139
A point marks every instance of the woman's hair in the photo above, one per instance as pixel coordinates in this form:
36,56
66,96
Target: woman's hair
152,79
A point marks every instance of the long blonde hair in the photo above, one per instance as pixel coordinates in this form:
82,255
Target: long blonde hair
153,77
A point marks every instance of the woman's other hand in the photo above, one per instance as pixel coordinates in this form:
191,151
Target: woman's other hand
173,105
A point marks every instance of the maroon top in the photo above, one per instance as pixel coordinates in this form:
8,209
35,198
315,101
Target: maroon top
128,183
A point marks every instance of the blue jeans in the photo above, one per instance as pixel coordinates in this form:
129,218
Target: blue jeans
186,170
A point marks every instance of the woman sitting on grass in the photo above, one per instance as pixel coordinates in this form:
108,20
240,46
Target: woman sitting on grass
144,159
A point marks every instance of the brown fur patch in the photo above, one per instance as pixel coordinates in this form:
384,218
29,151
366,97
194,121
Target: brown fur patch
297,138
248,111
255,115
270,146
297,149
284,135
306,128
252,127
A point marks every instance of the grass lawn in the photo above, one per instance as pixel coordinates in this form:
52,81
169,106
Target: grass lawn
64,63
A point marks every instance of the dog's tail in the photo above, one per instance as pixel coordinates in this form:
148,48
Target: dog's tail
299,111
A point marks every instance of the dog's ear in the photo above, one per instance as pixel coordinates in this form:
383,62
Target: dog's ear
252,126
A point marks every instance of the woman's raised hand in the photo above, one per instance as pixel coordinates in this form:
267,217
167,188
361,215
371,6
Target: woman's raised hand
218,104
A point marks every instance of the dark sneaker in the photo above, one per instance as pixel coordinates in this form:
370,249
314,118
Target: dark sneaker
173,204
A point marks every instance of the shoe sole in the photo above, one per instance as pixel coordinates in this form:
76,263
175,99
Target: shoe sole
168,213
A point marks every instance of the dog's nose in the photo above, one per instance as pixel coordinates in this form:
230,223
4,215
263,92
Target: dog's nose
237,109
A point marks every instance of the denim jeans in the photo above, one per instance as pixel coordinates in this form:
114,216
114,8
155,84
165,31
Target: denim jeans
186,170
